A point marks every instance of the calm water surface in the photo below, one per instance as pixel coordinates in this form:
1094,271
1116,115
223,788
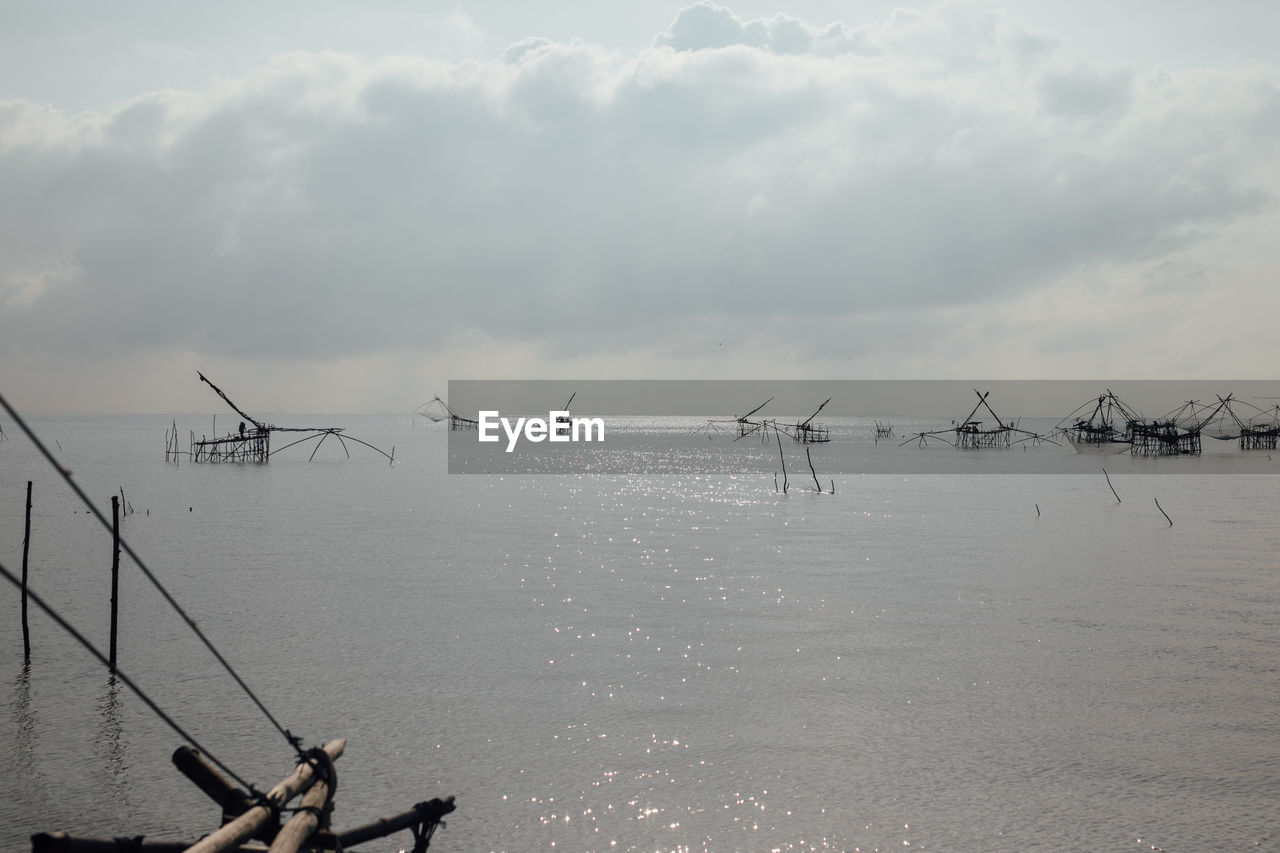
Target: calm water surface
668,663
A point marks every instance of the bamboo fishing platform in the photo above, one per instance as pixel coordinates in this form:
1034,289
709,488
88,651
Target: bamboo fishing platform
1264,438
1163,437
1110,423
1177,433
252,444
802,432
808,432
748,427
1114,423
970,434
1256,431
248,446
259,824
436,410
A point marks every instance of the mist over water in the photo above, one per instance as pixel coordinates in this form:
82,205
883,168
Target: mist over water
656,662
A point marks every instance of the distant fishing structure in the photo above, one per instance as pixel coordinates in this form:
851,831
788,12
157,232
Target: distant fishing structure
1115,426
253,444
1176,433
802,432
437,410
747,427
1255,430
1108,427
564,419
808,432
970,434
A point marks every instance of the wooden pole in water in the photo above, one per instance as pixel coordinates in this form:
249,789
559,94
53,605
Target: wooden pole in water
26,548
783,458
115,578
249,823
1113,488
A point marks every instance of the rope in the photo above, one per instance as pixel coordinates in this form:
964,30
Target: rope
191,623
422,833
325,770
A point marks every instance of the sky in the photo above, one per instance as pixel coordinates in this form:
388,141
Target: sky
332,206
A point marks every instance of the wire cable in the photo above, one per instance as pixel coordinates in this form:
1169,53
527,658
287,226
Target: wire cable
80,638
292,739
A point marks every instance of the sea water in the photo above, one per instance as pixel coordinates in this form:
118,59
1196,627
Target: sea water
674,662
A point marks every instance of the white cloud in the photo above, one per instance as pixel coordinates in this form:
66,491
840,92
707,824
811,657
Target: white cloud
768,176
707,26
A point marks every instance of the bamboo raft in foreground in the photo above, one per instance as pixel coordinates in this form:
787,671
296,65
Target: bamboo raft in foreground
250,823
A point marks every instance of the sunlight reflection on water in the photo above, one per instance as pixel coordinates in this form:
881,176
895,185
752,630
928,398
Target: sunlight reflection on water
671,663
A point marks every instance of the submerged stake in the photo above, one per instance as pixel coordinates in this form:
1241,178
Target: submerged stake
1113,488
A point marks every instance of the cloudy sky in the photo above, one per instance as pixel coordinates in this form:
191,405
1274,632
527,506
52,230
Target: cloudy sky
338,206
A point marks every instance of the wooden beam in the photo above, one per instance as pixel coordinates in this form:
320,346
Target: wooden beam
306,820
255,422
233,801
431,810
61,842
252,821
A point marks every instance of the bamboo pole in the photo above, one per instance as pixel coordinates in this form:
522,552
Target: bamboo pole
431,810
115,578
307,819
1113,488
26,547
249,823
61,842
233,801
783,458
